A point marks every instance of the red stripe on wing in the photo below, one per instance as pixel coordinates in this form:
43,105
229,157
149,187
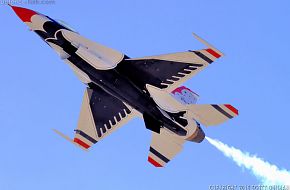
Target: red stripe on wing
81,143
213,53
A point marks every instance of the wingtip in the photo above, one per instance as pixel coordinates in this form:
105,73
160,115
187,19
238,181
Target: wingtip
217,52
195,35
76,142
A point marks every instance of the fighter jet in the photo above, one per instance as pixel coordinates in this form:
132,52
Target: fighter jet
119,88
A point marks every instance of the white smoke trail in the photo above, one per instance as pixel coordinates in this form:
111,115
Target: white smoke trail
267,173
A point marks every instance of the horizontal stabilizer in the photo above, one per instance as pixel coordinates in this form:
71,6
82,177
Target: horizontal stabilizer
164,147
213,114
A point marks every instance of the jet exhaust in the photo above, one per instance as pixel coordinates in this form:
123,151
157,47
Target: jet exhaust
266,173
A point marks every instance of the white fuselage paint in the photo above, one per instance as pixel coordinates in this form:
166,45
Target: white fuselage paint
98,56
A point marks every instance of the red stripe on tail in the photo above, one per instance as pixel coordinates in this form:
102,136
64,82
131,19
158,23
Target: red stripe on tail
230,107
154,163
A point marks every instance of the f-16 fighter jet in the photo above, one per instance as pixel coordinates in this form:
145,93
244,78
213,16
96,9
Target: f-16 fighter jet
119,88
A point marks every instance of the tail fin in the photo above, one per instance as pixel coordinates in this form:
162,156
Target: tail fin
212,114
184,95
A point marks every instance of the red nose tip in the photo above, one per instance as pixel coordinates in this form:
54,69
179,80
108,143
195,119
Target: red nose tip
24,14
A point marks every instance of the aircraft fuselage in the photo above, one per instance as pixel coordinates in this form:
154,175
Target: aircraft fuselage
117,85
113,81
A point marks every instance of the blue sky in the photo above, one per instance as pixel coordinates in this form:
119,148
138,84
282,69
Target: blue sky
39,92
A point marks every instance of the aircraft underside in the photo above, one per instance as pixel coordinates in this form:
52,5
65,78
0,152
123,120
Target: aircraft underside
115,83
120,88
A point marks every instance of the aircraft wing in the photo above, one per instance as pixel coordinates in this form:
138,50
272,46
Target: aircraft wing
164,147
101,114
168,71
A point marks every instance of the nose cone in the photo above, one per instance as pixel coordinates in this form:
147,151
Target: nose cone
24,14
